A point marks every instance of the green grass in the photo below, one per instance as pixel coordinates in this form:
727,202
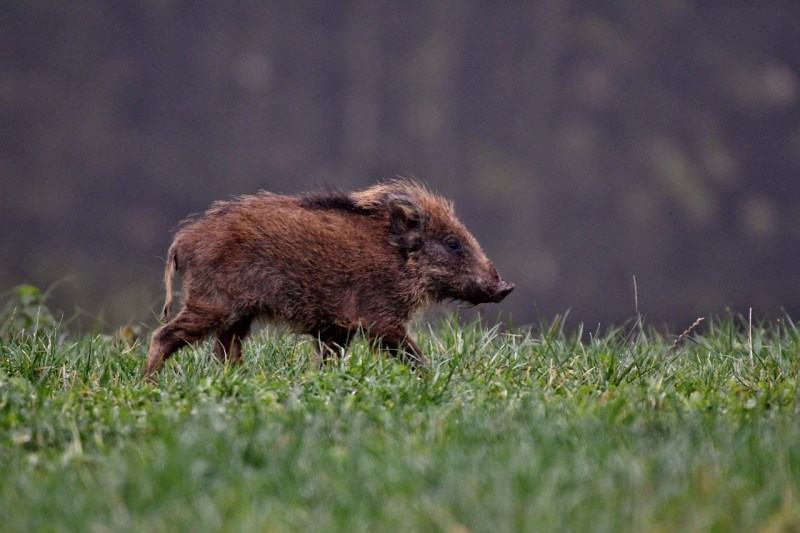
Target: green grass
542,430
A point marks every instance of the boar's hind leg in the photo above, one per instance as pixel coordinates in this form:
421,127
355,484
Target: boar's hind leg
331,339
229,341
401,345
188,327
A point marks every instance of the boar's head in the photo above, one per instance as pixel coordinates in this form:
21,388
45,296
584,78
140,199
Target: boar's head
438,248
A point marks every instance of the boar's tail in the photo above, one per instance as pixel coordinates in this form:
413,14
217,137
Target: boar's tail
169,272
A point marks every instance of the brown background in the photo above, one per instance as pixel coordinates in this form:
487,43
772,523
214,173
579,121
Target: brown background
584,142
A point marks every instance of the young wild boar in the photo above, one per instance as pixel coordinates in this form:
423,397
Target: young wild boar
325,263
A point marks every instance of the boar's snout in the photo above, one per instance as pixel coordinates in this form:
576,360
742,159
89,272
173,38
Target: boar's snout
479,292
503,289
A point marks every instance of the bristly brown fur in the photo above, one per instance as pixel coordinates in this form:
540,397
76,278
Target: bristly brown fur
330,199
326,263
169,273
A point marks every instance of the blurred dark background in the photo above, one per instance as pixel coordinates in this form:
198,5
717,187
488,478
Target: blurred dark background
584,142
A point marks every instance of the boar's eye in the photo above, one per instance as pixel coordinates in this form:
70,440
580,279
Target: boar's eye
453,244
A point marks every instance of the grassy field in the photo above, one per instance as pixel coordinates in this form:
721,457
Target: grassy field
622,430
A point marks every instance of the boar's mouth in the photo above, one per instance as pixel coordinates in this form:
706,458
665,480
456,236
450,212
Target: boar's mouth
476,293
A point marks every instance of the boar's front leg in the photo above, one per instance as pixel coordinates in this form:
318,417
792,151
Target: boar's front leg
398,342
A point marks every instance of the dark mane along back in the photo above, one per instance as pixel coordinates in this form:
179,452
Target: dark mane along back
331,199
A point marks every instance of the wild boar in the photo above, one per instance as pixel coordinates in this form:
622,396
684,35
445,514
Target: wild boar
325,263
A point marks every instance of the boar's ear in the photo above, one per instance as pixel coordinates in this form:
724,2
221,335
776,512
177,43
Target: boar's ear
406,224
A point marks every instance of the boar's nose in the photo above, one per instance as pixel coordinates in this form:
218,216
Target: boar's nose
503,288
